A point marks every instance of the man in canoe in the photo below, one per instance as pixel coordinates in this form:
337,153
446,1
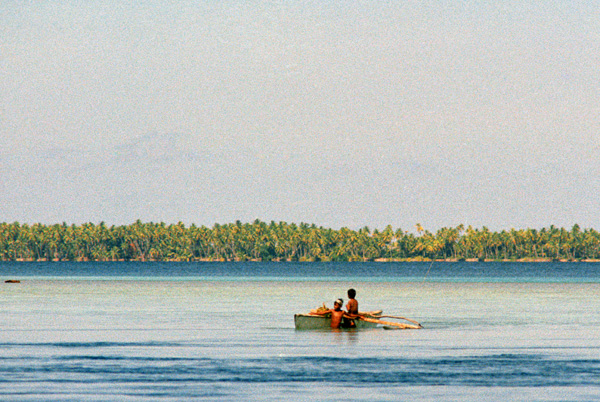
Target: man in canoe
337,314
352,310
352,306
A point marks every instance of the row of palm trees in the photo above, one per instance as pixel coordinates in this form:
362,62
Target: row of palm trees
280,241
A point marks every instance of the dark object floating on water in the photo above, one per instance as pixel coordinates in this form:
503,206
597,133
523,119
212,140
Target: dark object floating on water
12,281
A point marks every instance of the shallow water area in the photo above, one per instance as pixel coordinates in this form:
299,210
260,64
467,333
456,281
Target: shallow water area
140,333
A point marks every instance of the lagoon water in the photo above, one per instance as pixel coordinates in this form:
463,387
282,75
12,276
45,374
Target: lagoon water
225,332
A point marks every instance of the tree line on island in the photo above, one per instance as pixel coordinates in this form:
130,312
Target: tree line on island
280,241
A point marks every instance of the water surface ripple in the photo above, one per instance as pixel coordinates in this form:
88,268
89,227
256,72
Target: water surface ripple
160,332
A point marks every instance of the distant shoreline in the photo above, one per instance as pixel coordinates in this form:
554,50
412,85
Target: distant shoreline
378,260
280,241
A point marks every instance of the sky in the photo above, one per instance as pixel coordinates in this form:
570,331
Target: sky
337,113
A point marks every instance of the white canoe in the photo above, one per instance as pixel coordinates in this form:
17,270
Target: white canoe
309,321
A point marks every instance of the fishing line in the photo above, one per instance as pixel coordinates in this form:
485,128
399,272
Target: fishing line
426,274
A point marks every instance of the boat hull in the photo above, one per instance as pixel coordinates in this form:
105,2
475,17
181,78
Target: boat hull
308,321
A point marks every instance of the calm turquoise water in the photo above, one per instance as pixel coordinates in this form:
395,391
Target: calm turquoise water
224,332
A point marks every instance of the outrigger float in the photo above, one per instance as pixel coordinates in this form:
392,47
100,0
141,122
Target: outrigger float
370,319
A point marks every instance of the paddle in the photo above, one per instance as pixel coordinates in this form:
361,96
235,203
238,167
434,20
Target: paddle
392,324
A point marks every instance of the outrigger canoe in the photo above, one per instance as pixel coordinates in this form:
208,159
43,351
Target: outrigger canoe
309,321
369,319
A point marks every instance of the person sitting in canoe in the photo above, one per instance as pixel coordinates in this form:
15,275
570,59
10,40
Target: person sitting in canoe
337,314
352,306
351,310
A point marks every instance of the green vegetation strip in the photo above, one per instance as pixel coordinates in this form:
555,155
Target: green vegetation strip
260,241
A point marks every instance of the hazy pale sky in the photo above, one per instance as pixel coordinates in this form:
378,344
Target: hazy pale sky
336,113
